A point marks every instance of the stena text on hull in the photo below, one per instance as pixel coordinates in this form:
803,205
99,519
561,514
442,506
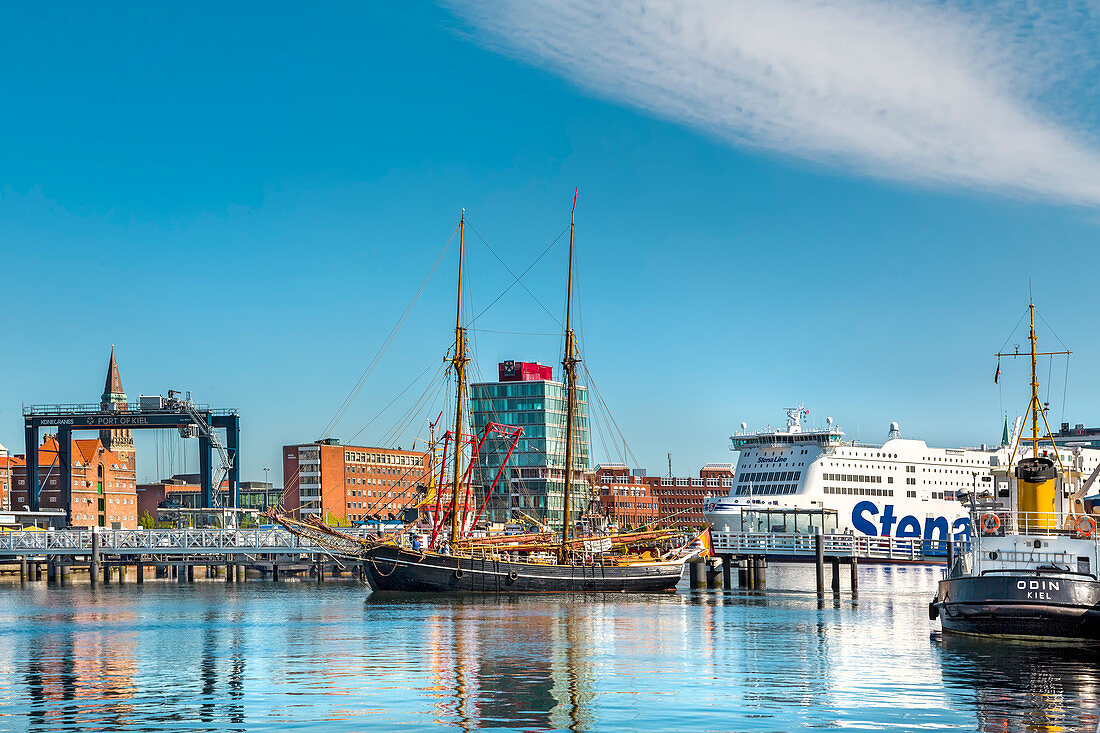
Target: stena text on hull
901,488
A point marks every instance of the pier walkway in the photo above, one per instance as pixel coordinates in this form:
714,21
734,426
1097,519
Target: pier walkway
160,542
803,547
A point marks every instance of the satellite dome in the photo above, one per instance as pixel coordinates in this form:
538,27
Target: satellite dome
744,425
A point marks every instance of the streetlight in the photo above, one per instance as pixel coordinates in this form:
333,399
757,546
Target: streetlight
266,470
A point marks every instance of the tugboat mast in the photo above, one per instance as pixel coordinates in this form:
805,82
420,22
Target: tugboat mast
1035,407
458,361
569,366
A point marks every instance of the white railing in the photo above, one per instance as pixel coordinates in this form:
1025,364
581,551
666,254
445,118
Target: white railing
834,545
159,541
1000,522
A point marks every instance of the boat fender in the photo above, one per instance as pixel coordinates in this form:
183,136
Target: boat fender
933,611
512,576
1086,527
990,524
459,573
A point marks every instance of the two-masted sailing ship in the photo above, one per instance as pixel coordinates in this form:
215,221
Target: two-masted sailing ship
456,558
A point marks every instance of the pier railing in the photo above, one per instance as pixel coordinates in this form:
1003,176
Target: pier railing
159,542
774,544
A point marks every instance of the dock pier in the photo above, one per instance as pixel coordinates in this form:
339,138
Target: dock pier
107,555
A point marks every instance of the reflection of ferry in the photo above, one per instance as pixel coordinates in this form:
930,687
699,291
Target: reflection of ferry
901,488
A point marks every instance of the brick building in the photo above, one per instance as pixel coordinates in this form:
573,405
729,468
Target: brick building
623,495
350,482
104,488
8,464
683,496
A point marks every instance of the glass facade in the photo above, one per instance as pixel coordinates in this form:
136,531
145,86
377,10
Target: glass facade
534,482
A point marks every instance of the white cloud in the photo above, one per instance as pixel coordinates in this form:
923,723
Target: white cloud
992,96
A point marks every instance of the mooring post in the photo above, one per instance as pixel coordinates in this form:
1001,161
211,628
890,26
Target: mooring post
93,567
121,573
727,572
63,570
950,556
819,560
230,572
853,566
140,572
696,574
836,574
190,573
714,574
761,572
321,569
22,569
275,572
51,570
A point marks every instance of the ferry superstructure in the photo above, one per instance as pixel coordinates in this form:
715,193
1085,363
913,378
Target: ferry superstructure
902,488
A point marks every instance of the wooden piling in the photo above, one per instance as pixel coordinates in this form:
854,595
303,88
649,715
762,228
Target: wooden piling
23,569
819,561
93,567
697,574
51,571
761,572
950,556
727,572
836,574
853,567
140,573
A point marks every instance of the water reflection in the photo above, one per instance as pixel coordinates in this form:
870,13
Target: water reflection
1015,686
508,662
265,656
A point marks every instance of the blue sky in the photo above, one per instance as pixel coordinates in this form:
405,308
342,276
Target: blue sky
245,203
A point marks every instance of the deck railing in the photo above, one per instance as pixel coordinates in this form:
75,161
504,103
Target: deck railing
160,542
775,544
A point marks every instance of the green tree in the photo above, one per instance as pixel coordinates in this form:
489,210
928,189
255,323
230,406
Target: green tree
147,521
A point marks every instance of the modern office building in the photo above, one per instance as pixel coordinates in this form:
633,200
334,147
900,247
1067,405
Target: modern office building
348,482
525,395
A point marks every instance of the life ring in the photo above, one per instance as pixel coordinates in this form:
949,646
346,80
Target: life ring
1086,527
990,523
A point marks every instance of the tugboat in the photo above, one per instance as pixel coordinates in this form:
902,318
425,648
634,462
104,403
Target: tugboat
1031,569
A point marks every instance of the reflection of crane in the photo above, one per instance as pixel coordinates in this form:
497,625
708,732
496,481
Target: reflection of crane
185,405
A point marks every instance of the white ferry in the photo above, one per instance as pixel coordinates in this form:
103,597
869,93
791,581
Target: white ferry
902,488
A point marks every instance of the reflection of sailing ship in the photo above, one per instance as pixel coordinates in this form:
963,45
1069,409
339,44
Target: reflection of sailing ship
454,559
532,671
1017,690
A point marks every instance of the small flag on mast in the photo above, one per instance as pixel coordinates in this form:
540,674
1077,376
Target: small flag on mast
997,374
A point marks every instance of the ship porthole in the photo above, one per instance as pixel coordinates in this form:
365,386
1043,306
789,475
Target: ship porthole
993,555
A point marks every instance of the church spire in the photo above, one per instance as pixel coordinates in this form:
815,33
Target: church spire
112,389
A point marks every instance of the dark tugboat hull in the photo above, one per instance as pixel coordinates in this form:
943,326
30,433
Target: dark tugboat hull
1019,605
398,569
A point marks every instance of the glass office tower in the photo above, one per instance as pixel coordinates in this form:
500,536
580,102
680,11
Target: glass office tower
534,482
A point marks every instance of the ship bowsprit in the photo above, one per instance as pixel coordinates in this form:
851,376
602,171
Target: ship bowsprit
394,568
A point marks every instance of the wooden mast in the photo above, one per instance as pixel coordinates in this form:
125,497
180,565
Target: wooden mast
458,361
1035,407
569,365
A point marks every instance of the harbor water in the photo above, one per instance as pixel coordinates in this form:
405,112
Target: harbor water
211,656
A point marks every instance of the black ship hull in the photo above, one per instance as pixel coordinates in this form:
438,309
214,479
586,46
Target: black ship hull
1020,605
398,569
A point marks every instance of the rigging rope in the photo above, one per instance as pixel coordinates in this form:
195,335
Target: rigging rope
516,278
385,344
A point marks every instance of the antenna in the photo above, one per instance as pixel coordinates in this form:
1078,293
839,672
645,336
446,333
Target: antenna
670,465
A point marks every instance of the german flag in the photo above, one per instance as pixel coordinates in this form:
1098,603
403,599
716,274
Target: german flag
708,545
